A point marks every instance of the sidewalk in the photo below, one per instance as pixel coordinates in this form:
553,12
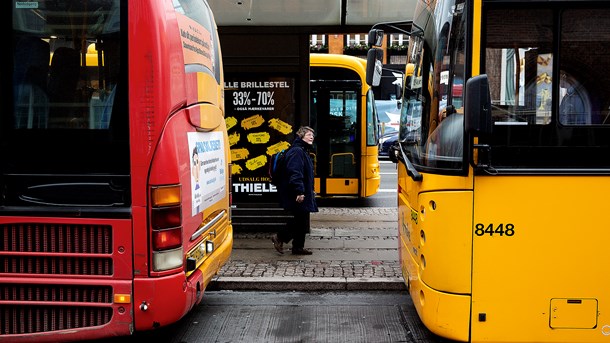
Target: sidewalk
353,249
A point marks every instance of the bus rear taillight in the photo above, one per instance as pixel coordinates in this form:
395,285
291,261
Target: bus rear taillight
166,196
167,239
166,225
163,218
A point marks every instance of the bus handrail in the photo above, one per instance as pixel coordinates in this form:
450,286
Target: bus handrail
209,224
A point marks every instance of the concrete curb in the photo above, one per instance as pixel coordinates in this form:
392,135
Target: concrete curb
305,284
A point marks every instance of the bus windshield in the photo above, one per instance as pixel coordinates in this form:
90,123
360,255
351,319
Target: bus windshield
431,123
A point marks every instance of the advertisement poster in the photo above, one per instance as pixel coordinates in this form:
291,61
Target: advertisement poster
207,168
197,43
260,116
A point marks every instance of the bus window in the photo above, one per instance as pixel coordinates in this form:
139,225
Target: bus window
431,127
583,98
372,128
564,106
30,75
521,66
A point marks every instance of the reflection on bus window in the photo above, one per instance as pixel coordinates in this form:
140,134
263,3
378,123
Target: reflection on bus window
520,67
575,106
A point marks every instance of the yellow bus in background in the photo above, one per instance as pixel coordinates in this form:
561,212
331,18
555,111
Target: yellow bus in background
504,169
343,113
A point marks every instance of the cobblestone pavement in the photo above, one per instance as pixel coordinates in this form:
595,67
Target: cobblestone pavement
352,248
354,269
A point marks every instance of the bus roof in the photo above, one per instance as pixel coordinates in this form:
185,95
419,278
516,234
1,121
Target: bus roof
356,63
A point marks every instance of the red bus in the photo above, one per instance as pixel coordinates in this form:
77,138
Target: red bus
114,166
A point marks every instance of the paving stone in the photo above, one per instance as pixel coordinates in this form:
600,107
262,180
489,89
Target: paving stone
353,248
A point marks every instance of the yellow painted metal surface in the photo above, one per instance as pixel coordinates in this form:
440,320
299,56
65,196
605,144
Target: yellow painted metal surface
435,260
444,240
341,186
370,163
536,256
536,239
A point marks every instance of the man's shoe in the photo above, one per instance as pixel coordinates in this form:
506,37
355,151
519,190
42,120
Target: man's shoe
301,251
279,246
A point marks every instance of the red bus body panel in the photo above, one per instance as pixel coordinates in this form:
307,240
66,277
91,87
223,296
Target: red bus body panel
159,121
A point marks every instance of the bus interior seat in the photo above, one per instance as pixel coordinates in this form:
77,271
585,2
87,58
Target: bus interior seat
342,165
63,80
30,83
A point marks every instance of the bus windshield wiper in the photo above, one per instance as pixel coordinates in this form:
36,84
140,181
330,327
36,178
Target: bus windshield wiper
411,171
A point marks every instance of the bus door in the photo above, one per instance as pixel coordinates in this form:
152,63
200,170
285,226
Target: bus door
334,115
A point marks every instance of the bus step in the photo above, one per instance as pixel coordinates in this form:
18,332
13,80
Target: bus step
266,219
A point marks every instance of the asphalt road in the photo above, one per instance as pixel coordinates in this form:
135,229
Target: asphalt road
305,317
314,316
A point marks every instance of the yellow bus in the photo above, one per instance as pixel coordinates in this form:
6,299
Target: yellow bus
343,113
504,169
114,167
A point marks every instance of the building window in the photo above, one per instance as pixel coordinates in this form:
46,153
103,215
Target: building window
355,45
318,43
398,39
397,48
356,40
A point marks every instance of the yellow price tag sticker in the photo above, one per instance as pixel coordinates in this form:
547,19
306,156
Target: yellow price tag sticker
259,137
257,162
280,125
252,122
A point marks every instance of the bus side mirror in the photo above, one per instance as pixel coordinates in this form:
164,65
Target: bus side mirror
477,106
375,38
374,66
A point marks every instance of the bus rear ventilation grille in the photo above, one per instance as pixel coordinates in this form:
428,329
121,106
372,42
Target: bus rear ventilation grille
21,292
56,238
17,320
56,249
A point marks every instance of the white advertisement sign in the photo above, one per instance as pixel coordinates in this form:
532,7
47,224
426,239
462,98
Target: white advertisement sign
208,168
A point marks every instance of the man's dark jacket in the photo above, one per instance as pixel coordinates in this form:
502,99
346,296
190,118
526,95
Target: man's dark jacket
298,179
